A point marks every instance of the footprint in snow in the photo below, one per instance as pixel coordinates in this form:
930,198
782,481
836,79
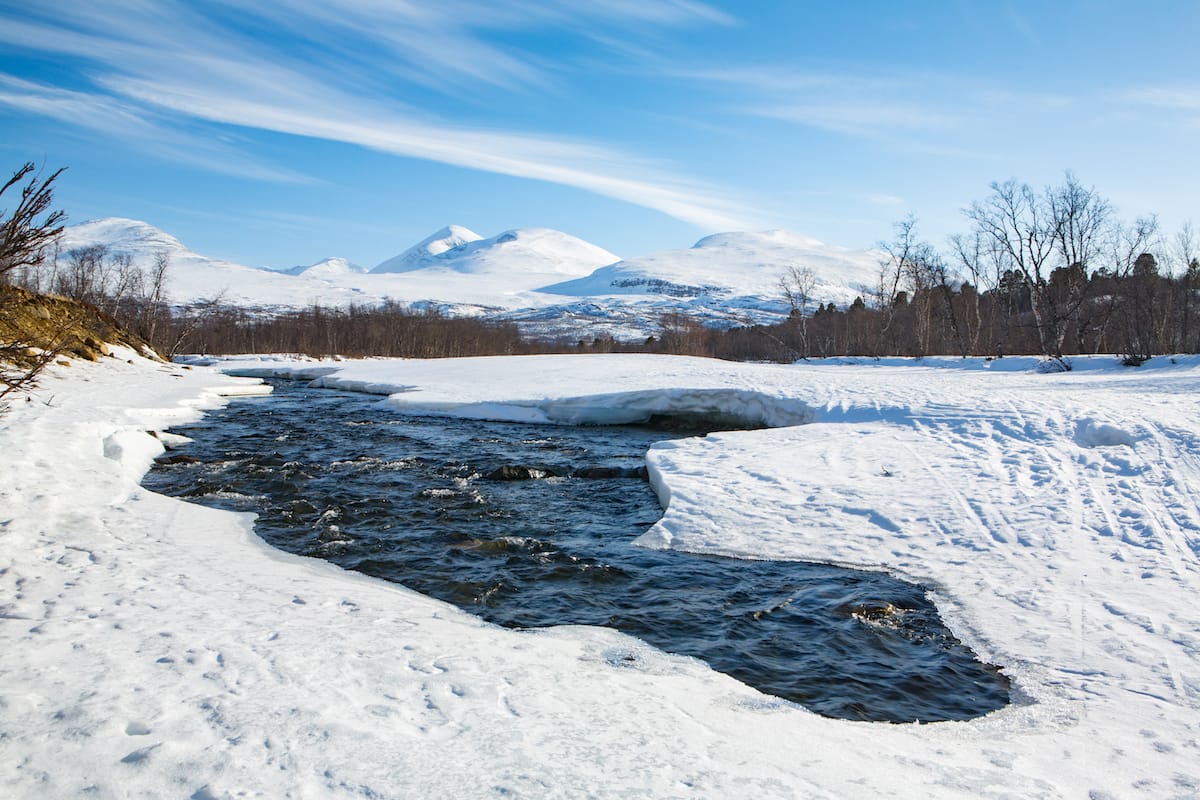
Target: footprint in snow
138,756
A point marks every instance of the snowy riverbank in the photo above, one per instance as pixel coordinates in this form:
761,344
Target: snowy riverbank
154,648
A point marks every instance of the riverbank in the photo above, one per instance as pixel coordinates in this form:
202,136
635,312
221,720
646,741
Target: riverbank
153,648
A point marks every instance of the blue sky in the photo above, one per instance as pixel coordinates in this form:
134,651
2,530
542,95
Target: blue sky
279,133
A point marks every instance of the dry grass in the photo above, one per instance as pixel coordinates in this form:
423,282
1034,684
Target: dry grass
31,324
36,329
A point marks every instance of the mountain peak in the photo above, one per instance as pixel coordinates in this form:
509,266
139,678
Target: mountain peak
776,238
744,264
513,252
121,234
327,268
422,253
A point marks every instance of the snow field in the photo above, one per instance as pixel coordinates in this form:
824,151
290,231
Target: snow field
154,648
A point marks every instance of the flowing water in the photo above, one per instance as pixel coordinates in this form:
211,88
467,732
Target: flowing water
532,525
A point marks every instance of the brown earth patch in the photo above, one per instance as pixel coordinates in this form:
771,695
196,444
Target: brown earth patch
33,325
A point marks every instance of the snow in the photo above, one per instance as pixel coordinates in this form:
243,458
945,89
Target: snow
525,251
500,272
121,235
155,648
194,278
734,265
333,267
548,281
422,253
454,269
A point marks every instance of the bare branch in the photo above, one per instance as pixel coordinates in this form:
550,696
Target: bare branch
24,237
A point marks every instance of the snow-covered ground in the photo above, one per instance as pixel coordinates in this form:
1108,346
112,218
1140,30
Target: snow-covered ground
153,648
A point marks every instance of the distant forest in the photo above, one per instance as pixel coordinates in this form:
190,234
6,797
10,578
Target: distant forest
1054,273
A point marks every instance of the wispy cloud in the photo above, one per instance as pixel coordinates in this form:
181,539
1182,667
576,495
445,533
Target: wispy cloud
582,165
865,118
1177,98
338,71
855,105
117,118
1022,26
1177,107
430,44
905,111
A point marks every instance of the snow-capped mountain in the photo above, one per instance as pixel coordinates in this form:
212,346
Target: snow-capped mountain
326,268
422,253
193,278
723,280
731,266
550,282
130,236
516,253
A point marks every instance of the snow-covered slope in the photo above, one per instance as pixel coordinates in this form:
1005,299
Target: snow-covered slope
517,254
723,280
192,277
548,281
151,648
742,266
496,274
137,238
422,253
327,268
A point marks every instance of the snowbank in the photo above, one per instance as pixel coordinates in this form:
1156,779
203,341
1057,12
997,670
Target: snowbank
155,648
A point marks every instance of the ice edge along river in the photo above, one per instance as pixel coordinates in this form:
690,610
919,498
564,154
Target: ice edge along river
151,647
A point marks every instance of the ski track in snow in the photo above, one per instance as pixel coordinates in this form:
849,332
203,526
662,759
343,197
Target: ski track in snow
155,648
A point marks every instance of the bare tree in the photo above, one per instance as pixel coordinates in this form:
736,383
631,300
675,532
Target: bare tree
915,279
978,261
1184,255
23,236
1012,223
85,275
193,325
680,334
1081,221
797,285
25,233
154,300
1050,240
124,287
1137,309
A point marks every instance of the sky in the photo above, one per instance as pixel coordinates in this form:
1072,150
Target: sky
277,134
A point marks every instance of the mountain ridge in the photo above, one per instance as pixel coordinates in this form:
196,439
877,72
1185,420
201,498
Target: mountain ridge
549,282
439,242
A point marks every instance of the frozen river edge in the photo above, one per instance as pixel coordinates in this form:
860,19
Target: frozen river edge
153,648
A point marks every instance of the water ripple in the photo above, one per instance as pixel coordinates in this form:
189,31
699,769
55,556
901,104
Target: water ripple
427,502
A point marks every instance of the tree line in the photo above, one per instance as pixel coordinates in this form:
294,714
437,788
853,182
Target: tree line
136,297
1054,272
391,330
111,291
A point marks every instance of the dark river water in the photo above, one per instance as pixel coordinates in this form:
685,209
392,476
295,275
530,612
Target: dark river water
532,525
